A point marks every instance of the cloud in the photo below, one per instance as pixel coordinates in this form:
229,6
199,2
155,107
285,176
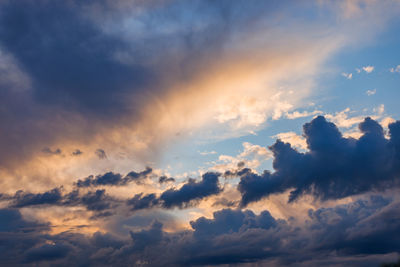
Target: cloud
140,201
127,71
205,153
97,201
46,252
146,63
395,69
165,179
335,167
296,114
21,199
229,221
114,179
77,152
368,69
103,204
209,185
191,191
370,92
251,156
380,109
12,221
47,150
342,119
100,153
347,75
359,228
293,139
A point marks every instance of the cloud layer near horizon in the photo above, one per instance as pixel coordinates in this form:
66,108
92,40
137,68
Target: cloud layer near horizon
356,230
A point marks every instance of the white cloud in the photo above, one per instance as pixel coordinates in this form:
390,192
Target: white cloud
380,110
358,70
371,92
395,69
386,121
347,75
252,156
292,138
297,114
205,153
342,119
368,69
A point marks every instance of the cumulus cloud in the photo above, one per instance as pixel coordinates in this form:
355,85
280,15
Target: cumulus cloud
334,167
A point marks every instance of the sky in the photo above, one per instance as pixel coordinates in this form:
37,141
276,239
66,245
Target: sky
199,133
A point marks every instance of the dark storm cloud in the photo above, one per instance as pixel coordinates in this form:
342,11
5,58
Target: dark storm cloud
97,201
335,166
149,237
22,199
192,190
360,228
12,221
182,197
100,202
69,59
139,201
165,179
46,252
231,221
114,179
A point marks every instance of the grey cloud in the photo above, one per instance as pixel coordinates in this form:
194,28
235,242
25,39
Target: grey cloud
114,179
335,167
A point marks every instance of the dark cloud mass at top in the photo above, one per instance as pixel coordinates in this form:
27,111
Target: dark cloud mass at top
86,72
334,167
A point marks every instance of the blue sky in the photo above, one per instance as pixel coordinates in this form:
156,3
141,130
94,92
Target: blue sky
333,92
